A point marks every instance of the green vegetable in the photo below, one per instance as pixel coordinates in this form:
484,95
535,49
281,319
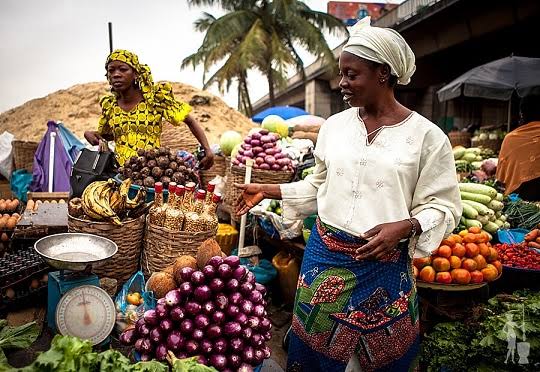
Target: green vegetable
19,337
472,223
522,214
477,188
469,157
187,364
473,150
496,205
502,217
469,211
476,165
499,223
480,198
481,208
491,227
499,197
482,219
458,152
228,141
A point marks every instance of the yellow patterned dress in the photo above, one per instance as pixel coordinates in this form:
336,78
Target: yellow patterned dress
140,128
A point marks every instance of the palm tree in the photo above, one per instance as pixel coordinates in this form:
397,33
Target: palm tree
263,35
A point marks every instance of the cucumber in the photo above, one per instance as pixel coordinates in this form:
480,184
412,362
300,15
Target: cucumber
472,223
469,211
491,227
473,150
458,152
502,217
481,208
499,223
477,188
496,205
480,198
498,214
499,197
506,225
492,218
482,219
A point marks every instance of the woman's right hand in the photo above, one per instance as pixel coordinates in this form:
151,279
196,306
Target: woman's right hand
252,195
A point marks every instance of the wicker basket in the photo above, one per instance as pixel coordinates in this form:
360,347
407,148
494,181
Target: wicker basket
218,169
128,238
162,246
178,138
494,145
23,154
460,139
237,175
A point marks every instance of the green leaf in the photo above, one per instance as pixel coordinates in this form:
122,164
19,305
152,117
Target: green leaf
18,337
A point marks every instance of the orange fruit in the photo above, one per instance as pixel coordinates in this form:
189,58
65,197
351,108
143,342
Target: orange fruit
469,238
490,273
444,251
459,250
476,277
475,230
469,264
443,277
455,262
421,262
480,261
450,241
427,274
471,250
493,255
483,237
440,264
457,238
462,233
461,276
498,265
484,249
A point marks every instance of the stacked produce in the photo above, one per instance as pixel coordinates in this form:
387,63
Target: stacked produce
519,256
532,239
523,214
157,165
468,159
209,308
9,205
488,134
262,147
275,207
106,201
464,258
276,124
482,208
33,205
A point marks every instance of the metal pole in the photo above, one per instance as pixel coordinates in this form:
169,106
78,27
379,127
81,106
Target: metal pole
509,115
52,143
247,181
110,38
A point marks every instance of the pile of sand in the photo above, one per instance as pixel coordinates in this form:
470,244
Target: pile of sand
78,108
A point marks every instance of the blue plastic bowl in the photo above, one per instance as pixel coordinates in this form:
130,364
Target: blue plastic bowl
511,236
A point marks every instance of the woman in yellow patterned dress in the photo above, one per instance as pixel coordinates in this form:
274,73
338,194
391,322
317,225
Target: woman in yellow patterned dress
133,114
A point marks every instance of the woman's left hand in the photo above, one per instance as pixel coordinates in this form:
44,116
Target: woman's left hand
207,161
384,239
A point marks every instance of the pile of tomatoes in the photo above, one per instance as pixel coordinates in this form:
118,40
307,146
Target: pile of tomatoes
518,256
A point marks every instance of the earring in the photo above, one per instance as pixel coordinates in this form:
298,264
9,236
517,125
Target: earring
382,81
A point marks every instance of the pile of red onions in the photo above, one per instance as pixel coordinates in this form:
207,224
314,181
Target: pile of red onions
217,314
262,147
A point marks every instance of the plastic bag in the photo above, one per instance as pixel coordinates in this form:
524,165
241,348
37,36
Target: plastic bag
132,301
6,155
20,182
287,229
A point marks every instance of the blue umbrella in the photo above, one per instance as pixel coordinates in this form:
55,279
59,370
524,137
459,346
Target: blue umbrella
285,112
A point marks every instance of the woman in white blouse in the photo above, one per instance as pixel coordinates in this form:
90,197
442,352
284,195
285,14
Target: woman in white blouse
385,191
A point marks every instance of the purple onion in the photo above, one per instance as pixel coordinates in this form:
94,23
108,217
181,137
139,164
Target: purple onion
138,344
247,333
232,285
258,150
268,145
213,331
220,345
244,367
181,355
197,334
206,346
143,345
259,310
162,311
241,319
166,325
217,285
156,335
186,327
248,354
173,298
202,360
232,311
257,340
186,289
265,325
215,261
264,132
128,336
267,336
267,351
197,277
250,277
256,135
191,347
224,271
193,308
175,340
239,272
248,153
143,330
235,298
202,321
218,317
246,146
209,271
255,143
219,361
208,308
202,293
221,301
232,328
246,288
161,352
177,314
246,306
266,139
253,322
237,344
185,273
261,288
247,140
232,261
161,301
255,296
234,360
258,356
150,317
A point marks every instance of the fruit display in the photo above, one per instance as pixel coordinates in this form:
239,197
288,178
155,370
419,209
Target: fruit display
532,239
519,256
488,134
157,165
275,207
469,159
464,258
9,205
276,124
212,309
262,146
228,141
8,221
482,208
106,201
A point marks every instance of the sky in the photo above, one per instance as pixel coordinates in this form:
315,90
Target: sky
49,45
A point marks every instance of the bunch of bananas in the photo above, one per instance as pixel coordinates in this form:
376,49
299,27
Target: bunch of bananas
106,200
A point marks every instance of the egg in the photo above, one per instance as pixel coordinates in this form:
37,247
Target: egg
54,201
11,223
3,206
30,205
15,203
3,222
61,201
4,237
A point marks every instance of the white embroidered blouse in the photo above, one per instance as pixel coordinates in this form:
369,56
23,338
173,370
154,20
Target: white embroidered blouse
407,170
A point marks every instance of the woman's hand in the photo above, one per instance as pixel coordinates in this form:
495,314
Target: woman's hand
252,195
384,239
208,160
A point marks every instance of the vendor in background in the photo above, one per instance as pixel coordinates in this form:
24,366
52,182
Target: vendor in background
384,188
133,114
519,159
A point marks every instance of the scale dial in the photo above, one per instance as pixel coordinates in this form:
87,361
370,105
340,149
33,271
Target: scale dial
86,312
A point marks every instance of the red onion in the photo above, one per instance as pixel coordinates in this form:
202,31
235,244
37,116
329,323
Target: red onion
128,336
264,166
202,321
166,325
202,360
219,361
235,298
246,306
232,261
144,357
232,329
206,346
261,288
198,277
246,288
181,355
150,317
161,352
193,308
241,319
255,142
256,135
244,367
248,139
218,317
250,278
257,340
268,145
175,340
232,285
202,293
259,160
220,345
248,153
267,336
234,360
265,325
217,285
257,150
237,344
143,330
264,132
173,298
143,345
267,352
221,301
239,272
255,296
253,322
224,271
269,159
208,308
246,333
186,327
155,335
186,289
213,331
185,273
248,354
235,162
258,357
258,310
161,301
197,334
232,311
215,261
246,146
275,167
266,139
162,311
209,271
177,314
191,347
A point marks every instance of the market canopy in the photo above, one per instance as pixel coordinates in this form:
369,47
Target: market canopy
496,80
285,112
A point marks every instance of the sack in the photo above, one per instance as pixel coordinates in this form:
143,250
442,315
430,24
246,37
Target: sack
128,313
91,166
6,155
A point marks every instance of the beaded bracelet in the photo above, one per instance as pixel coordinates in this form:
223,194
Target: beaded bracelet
413,228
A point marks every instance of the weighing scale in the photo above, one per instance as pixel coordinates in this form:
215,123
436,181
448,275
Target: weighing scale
76,305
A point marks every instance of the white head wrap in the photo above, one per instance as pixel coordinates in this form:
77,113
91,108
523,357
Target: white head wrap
382,45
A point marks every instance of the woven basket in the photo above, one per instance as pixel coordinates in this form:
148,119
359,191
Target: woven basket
162,246
218,169
178,138
23,154
460,139
237,175
128,238
494,145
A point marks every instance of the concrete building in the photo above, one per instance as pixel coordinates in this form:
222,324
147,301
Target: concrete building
448,37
